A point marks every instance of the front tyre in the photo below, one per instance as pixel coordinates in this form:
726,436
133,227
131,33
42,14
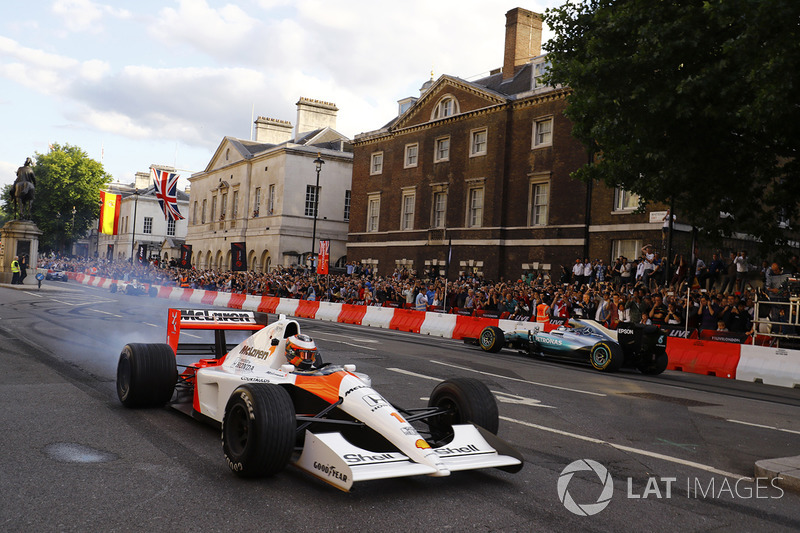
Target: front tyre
462,400
258,431
655,366
606,356
492,339
146,375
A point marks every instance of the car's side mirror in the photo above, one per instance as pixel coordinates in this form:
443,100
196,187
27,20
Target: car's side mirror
275,342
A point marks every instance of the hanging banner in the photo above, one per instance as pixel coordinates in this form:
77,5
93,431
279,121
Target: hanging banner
324,257
186,256
238,256
141,254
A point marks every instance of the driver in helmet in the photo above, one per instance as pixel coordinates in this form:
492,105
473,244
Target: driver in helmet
301,351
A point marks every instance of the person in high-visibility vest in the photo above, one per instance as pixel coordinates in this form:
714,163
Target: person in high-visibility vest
185,281
543,310
15,271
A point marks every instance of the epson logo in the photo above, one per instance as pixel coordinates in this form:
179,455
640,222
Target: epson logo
625,331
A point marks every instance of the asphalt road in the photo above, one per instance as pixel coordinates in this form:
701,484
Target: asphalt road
675,446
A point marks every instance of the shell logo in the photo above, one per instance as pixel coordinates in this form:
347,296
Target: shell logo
422,445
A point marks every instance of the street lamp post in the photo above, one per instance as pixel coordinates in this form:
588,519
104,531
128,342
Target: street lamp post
319,162
135,208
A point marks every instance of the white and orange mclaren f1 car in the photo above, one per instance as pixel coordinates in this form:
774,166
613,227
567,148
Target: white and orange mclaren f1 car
325,419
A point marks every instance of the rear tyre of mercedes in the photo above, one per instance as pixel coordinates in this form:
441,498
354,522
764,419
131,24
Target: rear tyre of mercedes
492,339
653,367
606,356
462,401
258,430
146,375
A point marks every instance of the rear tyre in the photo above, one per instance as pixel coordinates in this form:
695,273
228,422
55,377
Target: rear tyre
113,287
606,356
258,431
152,292
653,368
466,400
492,339
146,375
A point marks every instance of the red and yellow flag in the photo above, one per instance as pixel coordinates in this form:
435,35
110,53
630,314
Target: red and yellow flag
109,212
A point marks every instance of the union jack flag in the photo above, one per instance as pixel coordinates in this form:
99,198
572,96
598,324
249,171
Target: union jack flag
166,184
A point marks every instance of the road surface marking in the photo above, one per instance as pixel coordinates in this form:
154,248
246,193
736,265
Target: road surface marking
105,313
517,379
357,339
763,426
151,325
33,294
321,337
623,448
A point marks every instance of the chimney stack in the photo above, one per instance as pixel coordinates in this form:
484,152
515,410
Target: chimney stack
272,130
523,39
314,115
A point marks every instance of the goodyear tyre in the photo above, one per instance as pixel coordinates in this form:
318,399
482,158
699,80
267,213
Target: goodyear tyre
492,339
463,400
655,365
146,375
258,430
606,356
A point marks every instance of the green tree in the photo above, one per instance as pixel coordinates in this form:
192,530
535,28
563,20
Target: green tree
67,179
692,102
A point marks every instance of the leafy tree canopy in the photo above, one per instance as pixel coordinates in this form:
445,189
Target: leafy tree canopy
696,102
66,179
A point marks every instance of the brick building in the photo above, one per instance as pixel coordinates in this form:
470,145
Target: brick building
485,166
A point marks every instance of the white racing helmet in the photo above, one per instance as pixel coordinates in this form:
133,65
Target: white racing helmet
301,351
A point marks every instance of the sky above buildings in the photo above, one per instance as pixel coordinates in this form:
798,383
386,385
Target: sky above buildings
162,82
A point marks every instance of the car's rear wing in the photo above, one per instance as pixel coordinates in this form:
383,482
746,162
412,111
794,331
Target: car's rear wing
217,320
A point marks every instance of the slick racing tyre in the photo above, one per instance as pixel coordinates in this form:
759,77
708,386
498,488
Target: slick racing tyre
492,339
606,356
654,367
146,375
152,292
131,290
465,400
258,431
113,287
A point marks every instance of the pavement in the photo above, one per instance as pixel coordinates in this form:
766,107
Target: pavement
47,286
786,469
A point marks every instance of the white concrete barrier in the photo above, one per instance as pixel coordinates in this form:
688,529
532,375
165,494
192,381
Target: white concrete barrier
438,324
251,302
287,306
773,366
378,317
329,311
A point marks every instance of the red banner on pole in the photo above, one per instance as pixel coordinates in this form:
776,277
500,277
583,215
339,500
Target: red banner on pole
324,257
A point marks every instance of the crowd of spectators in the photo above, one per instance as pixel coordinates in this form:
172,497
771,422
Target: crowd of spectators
717,296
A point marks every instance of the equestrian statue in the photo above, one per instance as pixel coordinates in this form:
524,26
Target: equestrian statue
23,190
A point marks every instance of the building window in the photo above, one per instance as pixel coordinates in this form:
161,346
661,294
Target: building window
122,229
373,212
194,213
411,155
442,152
170,228
213,208
539,71
539,197
543,132
628,248
203,215
256,202
407,216
477,145
271,200
376,164
311,199
235,207
347,205
447,107
475,207
223,208
148,225
439,209
625,200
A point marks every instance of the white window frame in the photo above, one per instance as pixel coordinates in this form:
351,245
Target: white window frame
223,209
539,71
312,198
147,227
170,228
271,200
257,202
373,212
543,132
376,163
447,106
235,206
407,163
533,205
474,135
439,216
475,200
437,157
630,248
348,195
407,208
622,199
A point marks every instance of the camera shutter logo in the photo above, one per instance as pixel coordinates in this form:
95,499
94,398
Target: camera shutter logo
586,509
